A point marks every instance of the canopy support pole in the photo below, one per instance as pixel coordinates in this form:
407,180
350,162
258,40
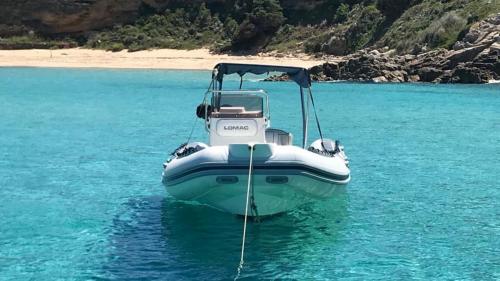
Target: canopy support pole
304,103
317,119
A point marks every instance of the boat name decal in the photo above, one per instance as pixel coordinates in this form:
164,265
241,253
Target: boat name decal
235,128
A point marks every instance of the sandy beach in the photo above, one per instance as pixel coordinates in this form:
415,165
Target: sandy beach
153,59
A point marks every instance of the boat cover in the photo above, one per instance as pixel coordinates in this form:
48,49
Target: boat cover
298,74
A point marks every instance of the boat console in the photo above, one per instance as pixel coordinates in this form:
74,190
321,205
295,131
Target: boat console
242,117
237,117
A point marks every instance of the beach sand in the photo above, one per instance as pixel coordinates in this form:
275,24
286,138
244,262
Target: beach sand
154,59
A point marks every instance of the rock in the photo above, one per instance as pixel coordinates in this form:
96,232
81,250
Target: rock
379,79
413,78
471,36
475,59
336,46
473,75
284,77
391,66
494,20
79,16
399,76
458,45
408,58
495,46
429,74
69,16
315,70
465,55
446,77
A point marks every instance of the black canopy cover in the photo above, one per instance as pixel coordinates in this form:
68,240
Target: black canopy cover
298,74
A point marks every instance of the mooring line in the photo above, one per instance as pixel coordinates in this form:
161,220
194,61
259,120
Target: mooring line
249,183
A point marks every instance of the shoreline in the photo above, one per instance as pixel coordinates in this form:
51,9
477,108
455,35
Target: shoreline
330,69
198,59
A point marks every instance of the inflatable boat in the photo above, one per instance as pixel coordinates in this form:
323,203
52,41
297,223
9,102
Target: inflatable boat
246,167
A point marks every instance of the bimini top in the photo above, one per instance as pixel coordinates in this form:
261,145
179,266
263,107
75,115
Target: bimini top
298,74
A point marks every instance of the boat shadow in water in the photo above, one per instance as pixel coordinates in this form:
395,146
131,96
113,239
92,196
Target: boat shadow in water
158,237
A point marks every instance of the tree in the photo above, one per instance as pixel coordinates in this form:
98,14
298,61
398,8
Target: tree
259,25
230,27
341,13
392,9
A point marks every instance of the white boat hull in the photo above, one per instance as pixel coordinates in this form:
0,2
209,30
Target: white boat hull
283,178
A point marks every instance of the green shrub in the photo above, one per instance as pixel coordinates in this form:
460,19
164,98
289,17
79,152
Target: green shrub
293,39
328,26
435,23
230,27
392,9
260,24
115,47
179,29
32,40
444,31
360,33
341,13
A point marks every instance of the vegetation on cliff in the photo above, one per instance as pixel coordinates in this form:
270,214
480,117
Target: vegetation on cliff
332,27
177,29
194,26
433,24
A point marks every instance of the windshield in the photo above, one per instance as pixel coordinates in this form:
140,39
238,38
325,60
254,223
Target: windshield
248,101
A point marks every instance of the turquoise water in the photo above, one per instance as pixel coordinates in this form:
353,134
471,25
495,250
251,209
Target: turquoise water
81,197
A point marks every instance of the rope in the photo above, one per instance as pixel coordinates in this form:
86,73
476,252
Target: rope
192,129
240,266
255,212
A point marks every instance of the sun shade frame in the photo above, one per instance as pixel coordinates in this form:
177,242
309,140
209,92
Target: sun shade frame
298,74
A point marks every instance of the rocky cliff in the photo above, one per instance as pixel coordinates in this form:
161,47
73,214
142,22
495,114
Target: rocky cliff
76,16
71,16
474,59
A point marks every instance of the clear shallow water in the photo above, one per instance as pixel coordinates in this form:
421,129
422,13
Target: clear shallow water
81,198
